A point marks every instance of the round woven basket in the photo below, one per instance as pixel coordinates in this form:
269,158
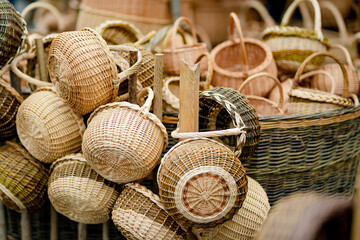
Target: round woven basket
123,142
78,192
12,31
47,127
246,223
201,183
10,101
139,214
23,180
236,59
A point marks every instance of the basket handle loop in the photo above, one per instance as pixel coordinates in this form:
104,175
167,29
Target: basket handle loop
146,91
209,74
168,37
272,103
317,23
346,53
343,33
145,38
325,54
235,24
260,9
175,27
326,73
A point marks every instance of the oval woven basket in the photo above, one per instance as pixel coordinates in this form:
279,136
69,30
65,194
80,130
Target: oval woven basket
201,183
10,101
139,214
47,127
246,223
236,59
23,180
123,142
78,192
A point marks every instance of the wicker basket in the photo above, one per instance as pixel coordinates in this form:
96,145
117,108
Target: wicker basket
236,59
201,183
47,127
12,30
292,45
123,142
23,180
10,101
139,214
246,223
78,192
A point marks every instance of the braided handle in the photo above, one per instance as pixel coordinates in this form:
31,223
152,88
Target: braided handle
235,24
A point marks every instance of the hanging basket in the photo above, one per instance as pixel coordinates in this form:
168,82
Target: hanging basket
23,180
47,127
78,192
236,59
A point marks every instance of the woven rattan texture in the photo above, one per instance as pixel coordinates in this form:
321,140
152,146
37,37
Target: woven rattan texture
47,127
78,192
82,69
223,108
119,32
23,180
138,214
201,183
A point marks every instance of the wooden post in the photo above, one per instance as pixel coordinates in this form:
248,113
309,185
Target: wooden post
132,87
2,222
15,82
25,226
355,231
158,84
105,231
189,97
53,224
81,231
41,60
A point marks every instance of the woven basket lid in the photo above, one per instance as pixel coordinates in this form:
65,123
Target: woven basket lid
139,214
12,32
23,180
47,127
247,222
201,182
123,142
82,69
78,192
223,108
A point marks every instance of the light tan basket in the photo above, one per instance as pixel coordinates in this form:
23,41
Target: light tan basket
201,183
139,214
236,59
78,192
123,142
246,223
47,127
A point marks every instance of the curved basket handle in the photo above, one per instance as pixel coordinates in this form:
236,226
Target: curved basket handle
175,27
261,10
273,104
325,54
317,23
210,71
50,8
146,91
346,53
145,38
315,72
235,25
168,36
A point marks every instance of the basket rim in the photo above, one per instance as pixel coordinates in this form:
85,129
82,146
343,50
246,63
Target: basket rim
186,48
11,90
119,23
74,157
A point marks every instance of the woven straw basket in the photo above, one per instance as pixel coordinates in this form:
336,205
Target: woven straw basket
78,192
23,180
201,183
139,214
292,45
246,223
12,32
173,55
236,59
123,142
47,127
10,101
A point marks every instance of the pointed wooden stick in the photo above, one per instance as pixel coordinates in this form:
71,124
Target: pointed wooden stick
25,226
132,84
41,60
105,231
158,84
81,231
53,224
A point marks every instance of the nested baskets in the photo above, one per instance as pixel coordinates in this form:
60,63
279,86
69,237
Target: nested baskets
201,183
12,32
10,101
123,142
139,214
79,192
236,59
47,127
292,45
246,223
23,180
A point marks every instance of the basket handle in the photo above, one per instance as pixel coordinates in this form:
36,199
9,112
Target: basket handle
315,72
272,103
175,27
325,54
346,53
235,24
146,91
260,9
317,23
209,74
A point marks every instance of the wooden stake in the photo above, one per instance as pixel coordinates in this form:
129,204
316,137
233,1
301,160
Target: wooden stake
105,231
81,231
15,82
25,226
132,87
189,97
158,84
355,230
41,60
53,224
2,222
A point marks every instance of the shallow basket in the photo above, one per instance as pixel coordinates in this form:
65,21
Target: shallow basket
23,180
246,223
47,127
78,192
201,183
10,101
139,214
